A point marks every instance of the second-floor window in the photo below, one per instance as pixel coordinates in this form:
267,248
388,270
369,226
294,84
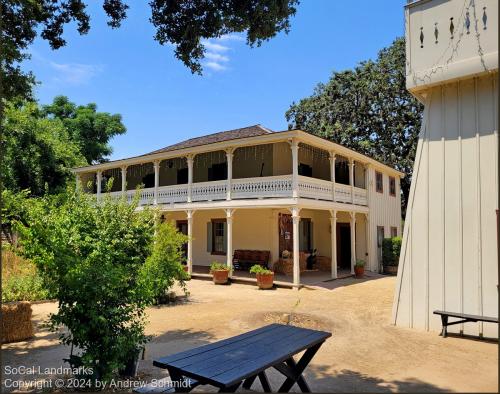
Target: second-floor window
379,183
392,186
182,176
217,172
305,170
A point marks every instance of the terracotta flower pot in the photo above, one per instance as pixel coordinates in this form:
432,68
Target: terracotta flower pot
391,269
185,268
220,277
359,272
265,281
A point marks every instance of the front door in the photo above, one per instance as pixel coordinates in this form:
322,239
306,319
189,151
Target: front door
344,246
182,227
380,239
285,226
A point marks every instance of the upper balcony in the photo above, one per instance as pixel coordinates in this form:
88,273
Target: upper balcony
449,39
283,165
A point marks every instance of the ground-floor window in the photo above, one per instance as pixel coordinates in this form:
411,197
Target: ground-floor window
394,231
216,236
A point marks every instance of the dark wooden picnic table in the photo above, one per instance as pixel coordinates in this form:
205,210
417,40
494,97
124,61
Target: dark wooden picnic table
241,359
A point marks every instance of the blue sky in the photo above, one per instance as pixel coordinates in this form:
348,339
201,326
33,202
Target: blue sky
125,71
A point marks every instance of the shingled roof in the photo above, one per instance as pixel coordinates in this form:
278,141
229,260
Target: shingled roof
250,131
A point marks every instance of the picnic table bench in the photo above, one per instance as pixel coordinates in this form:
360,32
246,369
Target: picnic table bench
464,318
241,359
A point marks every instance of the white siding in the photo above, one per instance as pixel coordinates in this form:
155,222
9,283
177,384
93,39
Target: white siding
449,253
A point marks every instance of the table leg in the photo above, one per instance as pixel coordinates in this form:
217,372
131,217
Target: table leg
265,382
248,382
177,381
297,369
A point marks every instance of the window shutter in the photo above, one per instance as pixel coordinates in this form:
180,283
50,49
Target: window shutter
225,237
311,229
209,237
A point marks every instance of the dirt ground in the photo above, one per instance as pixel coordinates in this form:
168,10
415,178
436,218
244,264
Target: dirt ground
365,354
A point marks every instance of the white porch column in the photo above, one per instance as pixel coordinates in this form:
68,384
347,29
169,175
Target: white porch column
229,159
333,159
351,178
190,161
99,181
229,251
294,145
296,251
190,214
124,180
156,165
353,240
333,225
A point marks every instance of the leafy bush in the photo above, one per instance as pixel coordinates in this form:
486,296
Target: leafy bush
21,280
163,267
360,263
391,247
91,256
216,266
258,269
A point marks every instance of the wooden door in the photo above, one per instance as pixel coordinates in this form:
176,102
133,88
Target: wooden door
182,227
285,228
344,246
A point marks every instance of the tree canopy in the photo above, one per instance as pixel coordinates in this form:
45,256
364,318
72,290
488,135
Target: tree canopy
183,23
367,109
38,152
89,129
40,145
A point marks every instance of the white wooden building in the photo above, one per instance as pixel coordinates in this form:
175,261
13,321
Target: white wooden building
255,189
449,255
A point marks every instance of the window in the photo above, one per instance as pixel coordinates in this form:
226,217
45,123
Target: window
342,172
305,235
379,185
217,172
149,180
305,170
216,236
392,186
182,176
394,232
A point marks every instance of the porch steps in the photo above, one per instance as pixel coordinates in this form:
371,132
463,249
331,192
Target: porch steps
241,280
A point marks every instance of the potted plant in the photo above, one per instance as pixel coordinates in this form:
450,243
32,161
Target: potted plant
359,268
265,277
391,248
220,273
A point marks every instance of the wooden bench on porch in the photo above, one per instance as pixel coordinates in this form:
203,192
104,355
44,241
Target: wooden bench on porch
244,259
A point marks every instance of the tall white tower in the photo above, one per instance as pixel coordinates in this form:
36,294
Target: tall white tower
449,255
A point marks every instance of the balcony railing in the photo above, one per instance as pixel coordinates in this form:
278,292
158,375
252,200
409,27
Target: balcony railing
248,188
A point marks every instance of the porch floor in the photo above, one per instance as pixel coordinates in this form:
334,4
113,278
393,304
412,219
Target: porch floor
313,278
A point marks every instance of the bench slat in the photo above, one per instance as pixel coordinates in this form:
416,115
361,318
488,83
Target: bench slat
467,316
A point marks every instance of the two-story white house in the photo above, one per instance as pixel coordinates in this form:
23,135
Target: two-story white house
255,189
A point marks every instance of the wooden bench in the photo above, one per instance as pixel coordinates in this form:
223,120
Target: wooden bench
464,318
244,259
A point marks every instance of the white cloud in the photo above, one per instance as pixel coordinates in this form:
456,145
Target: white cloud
231,37
216,57
214,47
214,66
75,73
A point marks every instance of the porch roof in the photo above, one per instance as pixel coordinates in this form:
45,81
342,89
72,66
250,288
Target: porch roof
246,136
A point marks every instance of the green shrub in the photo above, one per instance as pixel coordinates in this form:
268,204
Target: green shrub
259,269
391,247
216,266
163,267
360,263
91,256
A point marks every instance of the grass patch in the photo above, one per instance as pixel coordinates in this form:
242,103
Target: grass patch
21,280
